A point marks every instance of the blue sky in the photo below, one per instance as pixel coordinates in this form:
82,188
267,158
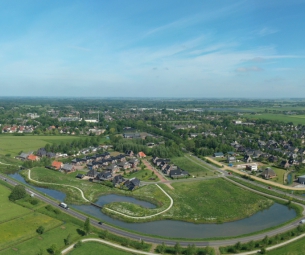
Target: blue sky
154,48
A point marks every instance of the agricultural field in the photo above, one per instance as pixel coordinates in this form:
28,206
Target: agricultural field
94,248
24,227
43,242
10,144
8,209
295,119
193,166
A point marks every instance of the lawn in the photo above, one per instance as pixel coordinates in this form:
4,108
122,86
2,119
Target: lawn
14,144
24,227
8,209
143,175
280,174
294,248
193,166
54,236
94,248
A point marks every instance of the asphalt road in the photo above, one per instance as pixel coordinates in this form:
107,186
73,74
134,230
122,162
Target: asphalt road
153,239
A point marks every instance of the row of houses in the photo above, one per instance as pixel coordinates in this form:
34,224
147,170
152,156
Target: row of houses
171,170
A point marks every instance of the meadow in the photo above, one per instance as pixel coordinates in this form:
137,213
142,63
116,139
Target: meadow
294,248
208,201
295,119
9,210
43,242
10,144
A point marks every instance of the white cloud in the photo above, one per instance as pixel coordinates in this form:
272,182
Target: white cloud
267,31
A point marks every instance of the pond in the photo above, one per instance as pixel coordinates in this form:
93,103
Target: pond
275,215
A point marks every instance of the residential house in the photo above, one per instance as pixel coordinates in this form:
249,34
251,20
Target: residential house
141,154
285,164
132,183
123,165
92,173
273,159
32,157
104,176
247,159
51,154
268,173
68,168
251,167
133,162
117,180
218,155
76,162
41,152
57,165
231,159
23,156
113,168
129,153
178,173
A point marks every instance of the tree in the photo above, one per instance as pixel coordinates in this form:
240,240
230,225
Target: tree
162,248
191,250
17,193
40,230
177,248
68,240
53,249
263,250
87,226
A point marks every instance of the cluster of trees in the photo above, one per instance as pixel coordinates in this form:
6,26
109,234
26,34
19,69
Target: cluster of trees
190,250
18,192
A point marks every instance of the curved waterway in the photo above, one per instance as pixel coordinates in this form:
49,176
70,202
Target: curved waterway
273,216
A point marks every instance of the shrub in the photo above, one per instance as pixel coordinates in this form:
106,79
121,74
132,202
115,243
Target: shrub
40,230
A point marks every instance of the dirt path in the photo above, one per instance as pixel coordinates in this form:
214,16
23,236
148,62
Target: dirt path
253,177
160,176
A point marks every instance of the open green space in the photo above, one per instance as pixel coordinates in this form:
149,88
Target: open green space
208,201
143,175
8,209
295,119
280,175
294,248
24,227
14,144
193,166
44,241
94,248
214,200
149,193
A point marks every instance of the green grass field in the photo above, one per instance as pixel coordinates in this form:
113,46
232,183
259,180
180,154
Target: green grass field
214,200
294,248
93,248
193,166
54,236
143,175
24,227
208,201
9,210
14,144
296,119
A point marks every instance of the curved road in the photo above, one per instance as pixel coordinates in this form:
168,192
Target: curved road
154,239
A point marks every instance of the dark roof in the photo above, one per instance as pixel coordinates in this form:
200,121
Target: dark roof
177,172
118,179
104,175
